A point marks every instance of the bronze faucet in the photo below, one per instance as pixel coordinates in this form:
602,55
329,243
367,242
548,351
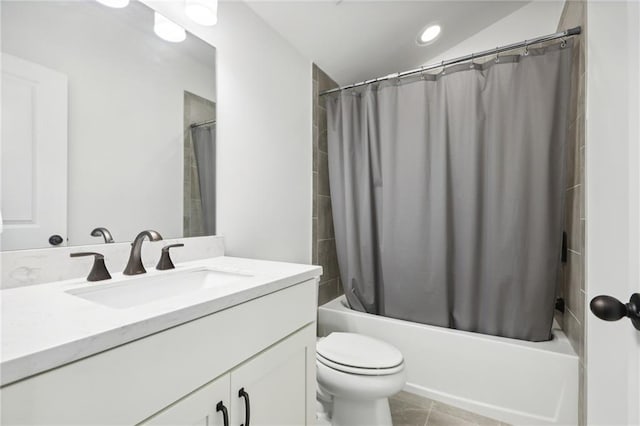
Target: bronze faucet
134,266
104,233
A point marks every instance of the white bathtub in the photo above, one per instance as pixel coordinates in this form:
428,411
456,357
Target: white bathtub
519,382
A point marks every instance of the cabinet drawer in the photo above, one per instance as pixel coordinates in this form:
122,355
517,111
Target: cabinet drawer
129,383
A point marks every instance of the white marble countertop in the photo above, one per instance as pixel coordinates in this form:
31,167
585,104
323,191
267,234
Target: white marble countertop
44,327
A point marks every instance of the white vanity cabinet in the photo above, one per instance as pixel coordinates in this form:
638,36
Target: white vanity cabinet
273,385
178,376
201,408
276,387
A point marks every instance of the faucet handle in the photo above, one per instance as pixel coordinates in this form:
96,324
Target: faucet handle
99,270
165,259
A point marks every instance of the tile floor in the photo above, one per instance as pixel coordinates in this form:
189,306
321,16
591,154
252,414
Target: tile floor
408,409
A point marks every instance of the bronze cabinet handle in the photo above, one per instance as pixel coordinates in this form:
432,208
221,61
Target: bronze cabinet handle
225,414
247,406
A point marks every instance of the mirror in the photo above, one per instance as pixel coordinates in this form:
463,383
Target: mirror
104,125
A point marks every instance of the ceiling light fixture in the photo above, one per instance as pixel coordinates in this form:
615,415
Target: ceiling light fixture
429,34
168,30
203,12
114,3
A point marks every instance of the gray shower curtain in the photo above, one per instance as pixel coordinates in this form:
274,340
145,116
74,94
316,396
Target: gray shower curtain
448,194
204,149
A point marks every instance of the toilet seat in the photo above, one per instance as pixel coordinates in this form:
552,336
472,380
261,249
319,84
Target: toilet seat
357,354
359,370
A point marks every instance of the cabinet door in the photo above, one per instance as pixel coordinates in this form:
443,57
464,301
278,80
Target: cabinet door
277,384
199,408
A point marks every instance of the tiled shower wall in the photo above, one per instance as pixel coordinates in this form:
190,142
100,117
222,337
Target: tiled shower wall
573,279
323,236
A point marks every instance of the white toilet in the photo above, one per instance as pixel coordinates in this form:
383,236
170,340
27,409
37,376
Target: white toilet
356,375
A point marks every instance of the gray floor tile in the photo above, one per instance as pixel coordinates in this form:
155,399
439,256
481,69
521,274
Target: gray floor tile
406,414
410,417
413,399
438,418
408,409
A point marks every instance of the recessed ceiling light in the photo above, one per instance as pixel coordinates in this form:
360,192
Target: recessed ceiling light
114,3
429,34
203,12
167,30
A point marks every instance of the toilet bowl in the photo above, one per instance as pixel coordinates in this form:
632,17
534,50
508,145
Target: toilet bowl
356,375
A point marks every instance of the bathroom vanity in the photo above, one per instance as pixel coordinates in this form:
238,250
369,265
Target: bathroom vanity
236,346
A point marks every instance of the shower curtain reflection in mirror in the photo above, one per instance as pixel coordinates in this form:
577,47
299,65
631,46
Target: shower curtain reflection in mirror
204,148
199,166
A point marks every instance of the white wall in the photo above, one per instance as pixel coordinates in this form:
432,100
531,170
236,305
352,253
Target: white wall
612,206
533,20
264,134
126,90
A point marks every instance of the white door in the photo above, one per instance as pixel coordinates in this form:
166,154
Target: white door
272,387
34,155
208,406
613,208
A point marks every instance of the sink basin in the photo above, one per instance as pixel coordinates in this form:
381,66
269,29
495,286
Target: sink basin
132,291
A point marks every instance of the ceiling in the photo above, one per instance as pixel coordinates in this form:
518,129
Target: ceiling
355,40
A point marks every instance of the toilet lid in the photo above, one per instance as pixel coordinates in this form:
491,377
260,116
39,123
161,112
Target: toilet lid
356,350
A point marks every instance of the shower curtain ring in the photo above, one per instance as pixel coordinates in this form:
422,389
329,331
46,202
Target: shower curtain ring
497,55
422,74
443,68
526,48
563,44
471,65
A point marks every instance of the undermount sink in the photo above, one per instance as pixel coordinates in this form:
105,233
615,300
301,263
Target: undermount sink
127,292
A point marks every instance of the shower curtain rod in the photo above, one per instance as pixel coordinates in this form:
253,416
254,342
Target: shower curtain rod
204,123
526,43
